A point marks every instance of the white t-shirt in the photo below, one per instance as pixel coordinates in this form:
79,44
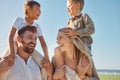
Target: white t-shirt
20,22
22,71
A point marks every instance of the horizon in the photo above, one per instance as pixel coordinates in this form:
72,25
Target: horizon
104,13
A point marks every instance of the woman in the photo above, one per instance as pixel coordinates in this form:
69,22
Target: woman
71,61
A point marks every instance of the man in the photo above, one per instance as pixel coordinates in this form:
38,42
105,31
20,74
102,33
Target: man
25,66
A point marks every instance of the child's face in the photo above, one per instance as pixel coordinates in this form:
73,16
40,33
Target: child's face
34,12
73,8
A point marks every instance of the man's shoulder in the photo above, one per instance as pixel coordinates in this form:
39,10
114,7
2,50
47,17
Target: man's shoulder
37,57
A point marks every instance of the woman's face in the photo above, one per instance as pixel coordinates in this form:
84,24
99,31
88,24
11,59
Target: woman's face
63,41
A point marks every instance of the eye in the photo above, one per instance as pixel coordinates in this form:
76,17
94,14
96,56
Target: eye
56,38
60,37
31,38
35,38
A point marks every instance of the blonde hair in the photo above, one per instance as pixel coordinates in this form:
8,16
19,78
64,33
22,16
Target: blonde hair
81,2
80,47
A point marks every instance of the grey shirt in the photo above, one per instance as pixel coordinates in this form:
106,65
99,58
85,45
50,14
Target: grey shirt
83,24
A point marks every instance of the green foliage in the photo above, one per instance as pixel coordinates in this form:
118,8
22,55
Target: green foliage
109,77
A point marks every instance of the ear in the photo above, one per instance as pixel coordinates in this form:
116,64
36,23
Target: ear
19,39
28,8
78,5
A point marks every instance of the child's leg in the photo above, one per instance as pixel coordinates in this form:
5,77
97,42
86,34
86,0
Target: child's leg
59,60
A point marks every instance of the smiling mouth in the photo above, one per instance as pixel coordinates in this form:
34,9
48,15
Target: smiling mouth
61,45
32,45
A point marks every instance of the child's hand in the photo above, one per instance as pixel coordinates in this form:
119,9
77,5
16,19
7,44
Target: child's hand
45,60
6,63
9,57
47,66
70,32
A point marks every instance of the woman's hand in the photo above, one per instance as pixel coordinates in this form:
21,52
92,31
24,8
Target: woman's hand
59,73
83,66
70,32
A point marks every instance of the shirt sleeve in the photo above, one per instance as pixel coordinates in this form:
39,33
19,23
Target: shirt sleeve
89,26
17,23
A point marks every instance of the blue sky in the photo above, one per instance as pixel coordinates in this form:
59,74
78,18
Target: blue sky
104,13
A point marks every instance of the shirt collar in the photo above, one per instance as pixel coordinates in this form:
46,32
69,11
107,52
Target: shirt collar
25,22
77,16
22,60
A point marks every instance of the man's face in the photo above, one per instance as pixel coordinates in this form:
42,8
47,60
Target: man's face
29,42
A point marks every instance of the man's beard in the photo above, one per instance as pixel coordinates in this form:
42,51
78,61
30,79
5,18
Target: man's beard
27,47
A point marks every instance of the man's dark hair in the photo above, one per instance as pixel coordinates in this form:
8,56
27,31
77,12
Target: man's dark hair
26,28
31,3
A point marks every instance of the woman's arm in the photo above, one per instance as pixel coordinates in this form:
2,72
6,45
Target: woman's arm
83,67
86,72
59,60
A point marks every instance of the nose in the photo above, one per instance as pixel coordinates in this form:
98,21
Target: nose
58,41
68,9
39,11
